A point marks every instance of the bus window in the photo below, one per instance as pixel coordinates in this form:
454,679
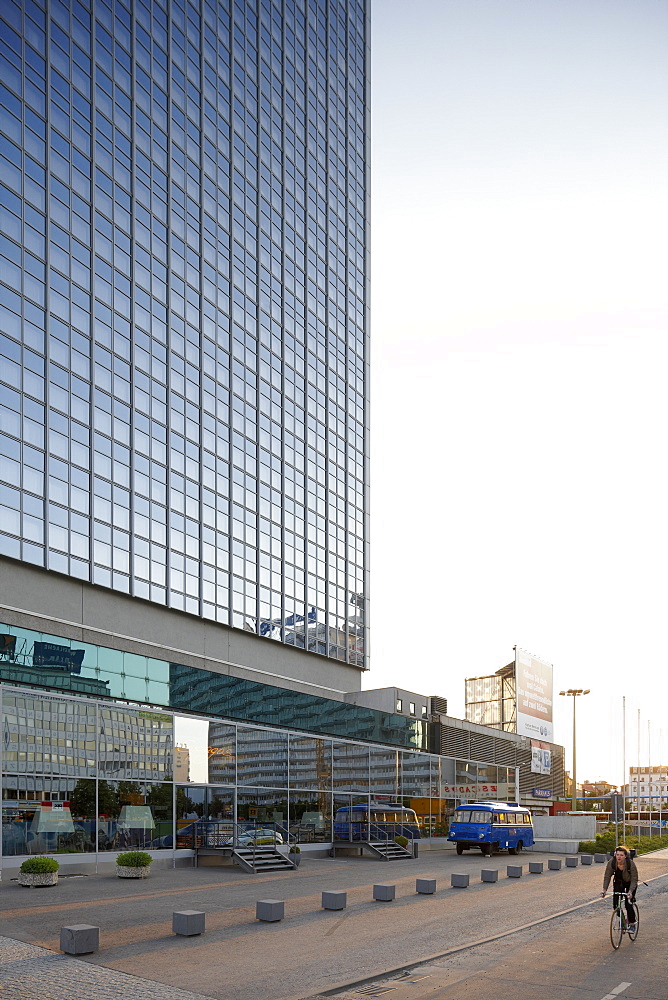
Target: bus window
480,816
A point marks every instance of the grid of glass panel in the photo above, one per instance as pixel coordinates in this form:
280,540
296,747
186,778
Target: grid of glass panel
79,775
183,273
50,661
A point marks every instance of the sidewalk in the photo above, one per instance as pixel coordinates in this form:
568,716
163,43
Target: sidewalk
239,958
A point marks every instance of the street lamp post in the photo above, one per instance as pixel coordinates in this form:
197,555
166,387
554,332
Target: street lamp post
574,692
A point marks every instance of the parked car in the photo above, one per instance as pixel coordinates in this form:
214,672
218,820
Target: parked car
260,836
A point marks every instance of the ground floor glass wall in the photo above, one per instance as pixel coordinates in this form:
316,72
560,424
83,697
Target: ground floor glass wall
81,776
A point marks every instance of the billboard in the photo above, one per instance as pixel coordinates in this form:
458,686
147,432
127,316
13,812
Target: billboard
533,678
541,757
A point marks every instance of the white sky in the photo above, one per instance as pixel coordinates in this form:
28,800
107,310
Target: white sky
519,321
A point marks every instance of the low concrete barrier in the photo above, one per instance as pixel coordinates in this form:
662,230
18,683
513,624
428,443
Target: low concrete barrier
572,862
269,910
384,892
586,859
536,867
79,939
188,923
600,859
554,864
334,900
427,886
514,871
489,875
459,880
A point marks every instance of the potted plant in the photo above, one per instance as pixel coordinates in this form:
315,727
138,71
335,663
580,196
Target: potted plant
39,871
401,841
133,864
295,853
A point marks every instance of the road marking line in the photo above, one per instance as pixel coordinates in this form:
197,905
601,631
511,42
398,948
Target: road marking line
617,990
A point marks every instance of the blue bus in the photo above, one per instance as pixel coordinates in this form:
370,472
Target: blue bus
491,826
375,822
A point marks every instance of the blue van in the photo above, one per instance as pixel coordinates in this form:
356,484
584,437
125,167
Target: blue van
491,826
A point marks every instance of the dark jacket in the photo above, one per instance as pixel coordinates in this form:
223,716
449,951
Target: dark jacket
629,874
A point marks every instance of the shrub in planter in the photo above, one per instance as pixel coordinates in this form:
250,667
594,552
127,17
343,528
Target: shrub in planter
39,871
401,841
295,854
133,864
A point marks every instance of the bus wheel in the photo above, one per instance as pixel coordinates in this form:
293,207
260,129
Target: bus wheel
512,850
486,850
460,848
520,845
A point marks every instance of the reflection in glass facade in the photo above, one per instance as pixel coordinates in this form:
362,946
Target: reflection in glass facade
183,285
81,776
51,661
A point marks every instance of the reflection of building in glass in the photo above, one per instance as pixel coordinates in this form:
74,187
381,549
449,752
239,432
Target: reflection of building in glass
135,743
181,763
47,664
491,700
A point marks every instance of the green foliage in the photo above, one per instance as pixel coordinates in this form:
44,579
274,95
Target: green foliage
39,866
134,859
440,829
605,842
295,849
401,841
82,799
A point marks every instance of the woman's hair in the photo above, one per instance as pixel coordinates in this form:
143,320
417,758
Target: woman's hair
620,847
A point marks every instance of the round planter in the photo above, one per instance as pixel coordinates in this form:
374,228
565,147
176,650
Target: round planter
46,878
124,872
295,858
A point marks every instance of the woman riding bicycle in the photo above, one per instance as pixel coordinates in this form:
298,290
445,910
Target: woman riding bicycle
621,868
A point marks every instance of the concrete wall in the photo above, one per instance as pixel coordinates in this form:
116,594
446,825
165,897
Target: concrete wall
565,827
50,602
385,700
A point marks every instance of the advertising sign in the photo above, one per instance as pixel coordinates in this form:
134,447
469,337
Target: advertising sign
50,654
533,678
541,757
541,793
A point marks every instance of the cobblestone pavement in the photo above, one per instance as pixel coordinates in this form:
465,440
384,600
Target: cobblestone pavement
31,973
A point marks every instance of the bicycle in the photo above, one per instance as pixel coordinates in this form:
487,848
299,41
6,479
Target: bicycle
619,922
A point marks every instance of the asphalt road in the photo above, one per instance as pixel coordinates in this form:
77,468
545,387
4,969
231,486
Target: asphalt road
567,959
313,951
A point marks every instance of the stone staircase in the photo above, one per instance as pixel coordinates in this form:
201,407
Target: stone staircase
261,859
389,850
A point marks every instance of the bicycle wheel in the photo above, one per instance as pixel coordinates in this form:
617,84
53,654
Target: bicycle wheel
636,917
616,928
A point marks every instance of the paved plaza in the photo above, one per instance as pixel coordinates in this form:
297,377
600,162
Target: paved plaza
238,958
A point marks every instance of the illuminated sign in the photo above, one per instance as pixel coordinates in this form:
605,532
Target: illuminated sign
219,752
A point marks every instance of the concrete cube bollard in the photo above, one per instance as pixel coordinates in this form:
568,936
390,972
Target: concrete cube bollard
489,875
332,900
269,909
572,862
554,864
514,871
79,939
188,923
425,885
384,892
600,859
586,859
536,867
459,880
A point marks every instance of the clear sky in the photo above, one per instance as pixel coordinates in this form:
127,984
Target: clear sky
519,323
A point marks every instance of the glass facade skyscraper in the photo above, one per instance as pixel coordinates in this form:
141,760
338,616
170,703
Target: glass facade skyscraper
183,283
